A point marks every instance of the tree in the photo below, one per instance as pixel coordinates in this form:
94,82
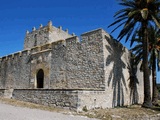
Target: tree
136,15
154,53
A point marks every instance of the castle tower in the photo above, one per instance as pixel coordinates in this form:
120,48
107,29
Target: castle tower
44,35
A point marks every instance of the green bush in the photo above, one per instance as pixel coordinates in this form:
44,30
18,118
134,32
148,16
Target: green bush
85,109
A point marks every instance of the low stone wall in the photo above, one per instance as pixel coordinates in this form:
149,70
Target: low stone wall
48,97
71,99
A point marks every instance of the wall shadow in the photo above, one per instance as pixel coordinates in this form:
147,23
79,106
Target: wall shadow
116,75
133,81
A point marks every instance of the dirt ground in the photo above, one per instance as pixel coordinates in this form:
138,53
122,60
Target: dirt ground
10,112
134,112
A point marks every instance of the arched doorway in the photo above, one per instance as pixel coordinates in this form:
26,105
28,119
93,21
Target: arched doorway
40,78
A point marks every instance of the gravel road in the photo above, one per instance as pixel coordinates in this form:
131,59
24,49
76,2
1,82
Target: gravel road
9,112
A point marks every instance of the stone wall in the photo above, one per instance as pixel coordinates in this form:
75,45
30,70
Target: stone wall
124,84
44,35
79,64
94,71
92,99
49,97
40,60
15,71
18,70
69,63
116,62
71,99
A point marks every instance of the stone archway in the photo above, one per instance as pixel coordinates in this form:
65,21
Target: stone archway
40,78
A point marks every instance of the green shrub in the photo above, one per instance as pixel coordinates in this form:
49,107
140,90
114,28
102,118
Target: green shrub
85,109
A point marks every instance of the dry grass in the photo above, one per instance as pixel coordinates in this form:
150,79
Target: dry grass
31,105
134,112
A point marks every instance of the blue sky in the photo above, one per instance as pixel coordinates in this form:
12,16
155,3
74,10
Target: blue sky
78,16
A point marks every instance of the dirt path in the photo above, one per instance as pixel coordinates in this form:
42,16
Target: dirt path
9,112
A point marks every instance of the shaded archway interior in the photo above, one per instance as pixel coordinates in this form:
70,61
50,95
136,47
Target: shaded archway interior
40,78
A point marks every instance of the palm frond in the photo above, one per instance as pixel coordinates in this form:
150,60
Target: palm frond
129,34
156,21
117,21
128,4
128,26
135,37
122,11
118,26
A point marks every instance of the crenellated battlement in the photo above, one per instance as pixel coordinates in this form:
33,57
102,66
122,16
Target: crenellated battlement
45,35
35,50
48,27
47,46
11,56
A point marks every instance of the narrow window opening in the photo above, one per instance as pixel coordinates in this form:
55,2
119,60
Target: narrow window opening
40,78
35,38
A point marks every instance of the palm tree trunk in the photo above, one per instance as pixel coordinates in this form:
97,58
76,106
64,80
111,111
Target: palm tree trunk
155,90
147,93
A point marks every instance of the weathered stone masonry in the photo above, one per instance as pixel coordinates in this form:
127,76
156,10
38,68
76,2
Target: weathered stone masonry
57,69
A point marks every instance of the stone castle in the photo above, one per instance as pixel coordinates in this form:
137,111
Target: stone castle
59,69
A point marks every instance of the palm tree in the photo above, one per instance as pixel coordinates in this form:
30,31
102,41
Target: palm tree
154,50
136,15
154,53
